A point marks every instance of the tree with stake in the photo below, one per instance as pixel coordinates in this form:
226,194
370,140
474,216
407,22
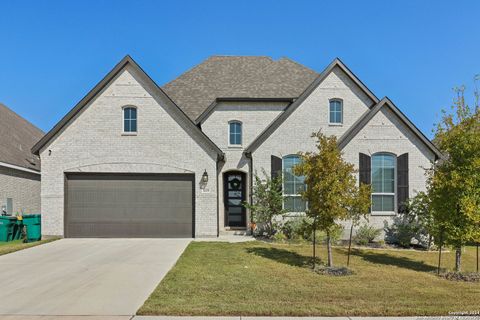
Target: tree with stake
358,208
453,183
328,180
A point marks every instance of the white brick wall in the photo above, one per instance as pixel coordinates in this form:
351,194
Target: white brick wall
93,142
385,132
22,187
255,117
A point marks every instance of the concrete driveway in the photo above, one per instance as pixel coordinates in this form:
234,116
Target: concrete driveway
85,276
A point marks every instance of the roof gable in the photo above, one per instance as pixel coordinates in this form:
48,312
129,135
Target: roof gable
238,77
126,61
308,91
17,136
365,119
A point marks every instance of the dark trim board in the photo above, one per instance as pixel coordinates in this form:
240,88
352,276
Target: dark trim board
367,116
126,176
212,106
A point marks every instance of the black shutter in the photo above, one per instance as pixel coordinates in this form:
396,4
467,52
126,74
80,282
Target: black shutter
276,166
365,173
402,182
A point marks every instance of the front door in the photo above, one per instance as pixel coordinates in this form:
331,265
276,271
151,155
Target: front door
234,186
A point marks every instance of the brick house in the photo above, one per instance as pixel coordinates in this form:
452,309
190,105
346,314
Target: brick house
19,168
133,159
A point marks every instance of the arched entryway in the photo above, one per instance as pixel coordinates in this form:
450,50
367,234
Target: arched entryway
234,186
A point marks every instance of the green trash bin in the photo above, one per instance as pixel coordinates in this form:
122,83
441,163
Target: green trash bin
7,227
33,224
17,230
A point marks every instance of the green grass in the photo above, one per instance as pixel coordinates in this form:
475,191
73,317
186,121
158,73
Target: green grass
12,246
257,278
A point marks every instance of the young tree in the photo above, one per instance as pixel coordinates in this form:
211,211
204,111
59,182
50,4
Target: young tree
267,203
358,207
328,179
453,183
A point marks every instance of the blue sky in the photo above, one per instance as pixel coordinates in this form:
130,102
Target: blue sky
53,52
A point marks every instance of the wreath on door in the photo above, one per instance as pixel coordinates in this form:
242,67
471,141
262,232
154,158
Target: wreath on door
235,183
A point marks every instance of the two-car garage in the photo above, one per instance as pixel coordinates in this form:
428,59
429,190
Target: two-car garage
113,205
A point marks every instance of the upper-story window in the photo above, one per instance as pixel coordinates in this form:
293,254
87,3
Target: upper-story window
130,119
235,133
383,182
336,111
293,185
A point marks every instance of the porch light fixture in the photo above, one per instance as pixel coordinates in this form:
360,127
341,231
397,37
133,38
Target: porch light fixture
205,176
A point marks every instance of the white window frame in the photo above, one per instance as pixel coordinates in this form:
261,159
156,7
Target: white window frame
129,133
385,213
241,134
329,112
283,187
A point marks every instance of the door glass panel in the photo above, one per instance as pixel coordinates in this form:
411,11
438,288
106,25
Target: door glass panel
234,202
234,194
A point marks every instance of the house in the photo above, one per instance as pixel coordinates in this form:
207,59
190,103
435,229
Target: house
19,168
133,159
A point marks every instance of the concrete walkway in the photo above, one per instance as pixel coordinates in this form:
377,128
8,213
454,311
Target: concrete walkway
84,277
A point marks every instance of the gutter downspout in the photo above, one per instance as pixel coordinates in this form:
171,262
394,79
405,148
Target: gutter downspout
250,191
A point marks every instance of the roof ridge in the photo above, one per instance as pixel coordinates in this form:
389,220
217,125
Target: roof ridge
19,117
297,63
186,72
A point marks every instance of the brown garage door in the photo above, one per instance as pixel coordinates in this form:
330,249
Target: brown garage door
129,205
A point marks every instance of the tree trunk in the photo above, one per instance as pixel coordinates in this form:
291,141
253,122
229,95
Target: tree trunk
458,259
477,257
329,250
349,245
314,245
440,252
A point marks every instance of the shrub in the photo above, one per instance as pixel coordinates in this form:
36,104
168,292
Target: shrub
321,236
267,204
296,228
401,232
279,236
366,234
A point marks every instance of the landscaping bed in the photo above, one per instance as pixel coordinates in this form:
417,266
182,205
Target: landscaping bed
259,278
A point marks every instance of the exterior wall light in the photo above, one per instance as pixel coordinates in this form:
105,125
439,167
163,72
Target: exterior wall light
205,176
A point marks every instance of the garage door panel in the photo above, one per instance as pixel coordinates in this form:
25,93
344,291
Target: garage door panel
106,205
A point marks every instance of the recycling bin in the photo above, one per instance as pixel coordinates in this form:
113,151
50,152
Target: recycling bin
7,228
33,224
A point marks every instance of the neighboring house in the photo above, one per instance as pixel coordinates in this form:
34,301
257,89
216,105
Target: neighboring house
132,159
19,168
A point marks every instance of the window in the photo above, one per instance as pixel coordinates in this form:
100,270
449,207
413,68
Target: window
292,186
235,133
336,111
383,182
129,119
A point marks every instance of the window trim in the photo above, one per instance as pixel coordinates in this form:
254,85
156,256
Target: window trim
395,193
129,133
241,134
284,195
329,112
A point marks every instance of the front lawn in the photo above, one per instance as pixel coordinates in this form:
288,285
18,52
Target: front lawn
12,246
257,278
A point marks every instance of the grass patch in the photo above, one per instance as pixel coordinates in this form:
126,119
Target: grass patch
12,246
258,278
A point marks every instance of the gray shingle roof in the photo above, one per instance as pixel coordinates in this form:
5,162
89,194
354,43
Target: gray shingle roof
17,136
239,77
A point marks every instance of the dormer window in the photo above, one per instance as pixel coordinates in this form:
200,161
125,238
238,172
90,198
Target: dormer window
336,111
235,133
129,120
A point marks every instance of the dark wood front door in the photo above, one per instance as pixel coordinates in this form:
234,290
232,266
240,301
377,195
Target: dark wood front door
234,186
